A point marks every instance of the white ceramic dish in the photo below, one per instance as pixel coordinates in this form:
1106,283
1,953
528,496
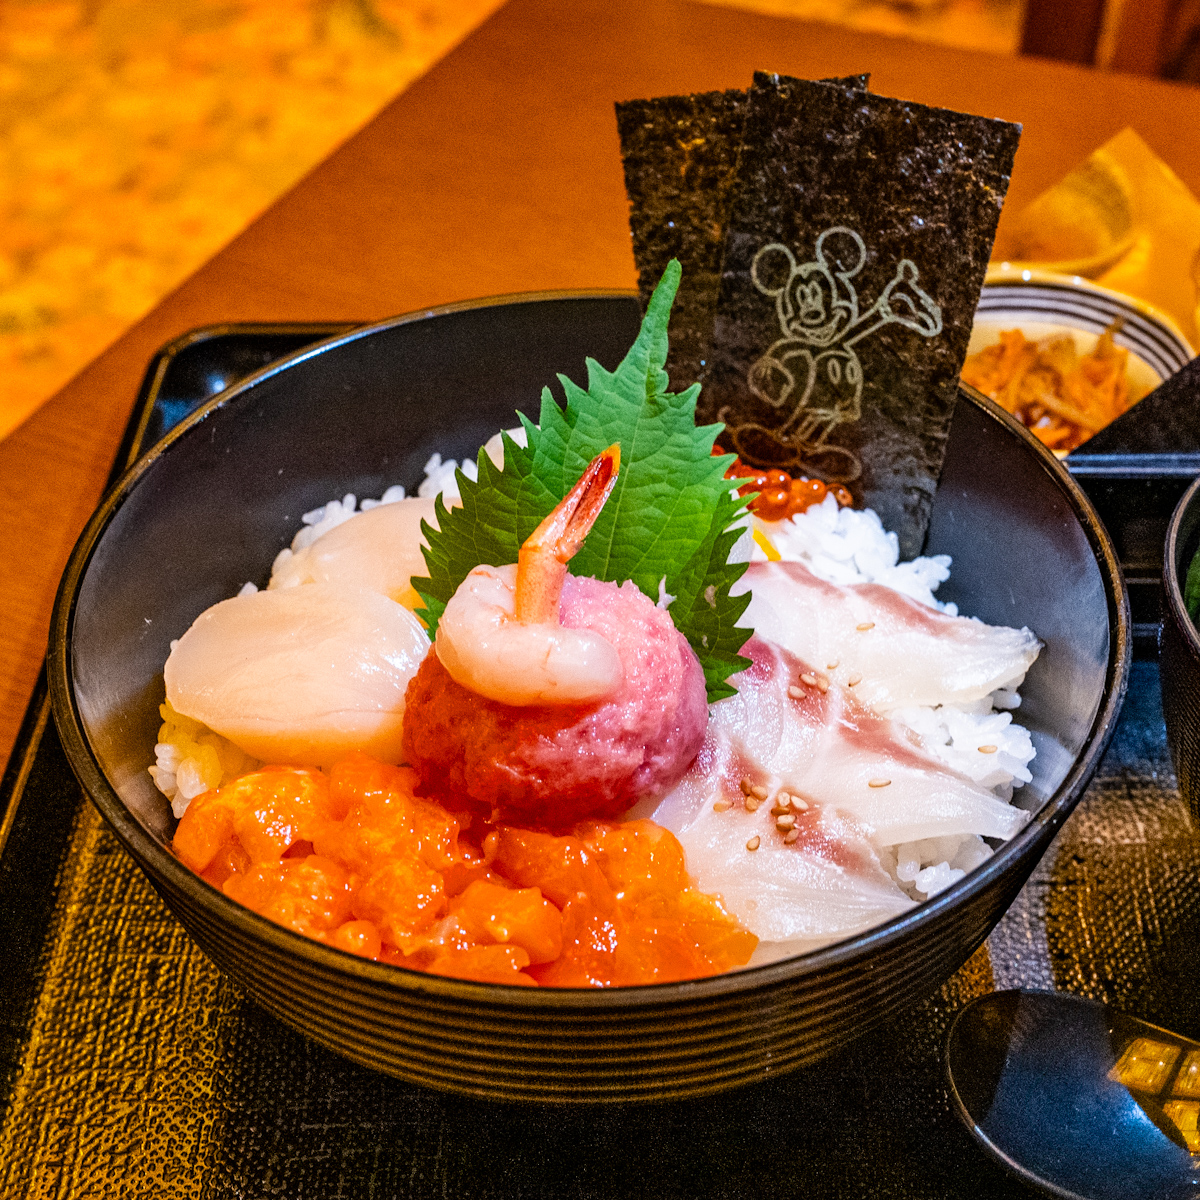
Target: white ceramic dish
1042,305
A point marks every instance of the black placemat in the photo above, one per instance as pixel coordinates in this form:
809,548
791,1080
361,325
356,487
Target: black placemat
130,1067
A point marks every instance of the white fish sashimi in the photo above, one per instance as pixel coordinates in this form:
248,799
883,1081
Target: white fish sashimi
304,675
825,886
873,770
865,784
903,652
378,550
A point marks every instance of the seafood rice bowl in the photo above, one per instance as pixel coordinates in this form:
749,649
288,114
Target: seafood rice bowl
873,786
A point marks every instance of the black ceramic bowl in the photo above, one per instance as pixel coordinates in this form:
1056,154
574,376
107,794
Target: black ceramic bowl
1179,650
209,507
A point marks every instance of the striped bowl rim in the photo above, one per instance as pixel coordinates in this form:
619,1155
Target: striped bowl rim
1158,344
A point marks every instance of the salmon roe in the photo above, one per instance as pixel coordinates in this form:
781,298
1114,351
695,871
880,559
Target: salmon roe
355,859
780,495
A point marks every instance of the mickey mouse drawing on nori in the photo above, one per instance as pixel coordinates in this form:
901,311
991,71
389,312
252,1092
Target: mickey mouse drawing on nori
813,367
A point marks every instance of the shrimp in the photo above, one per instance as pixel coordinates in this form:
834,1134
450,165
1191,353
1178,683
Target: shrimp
500,635
550,697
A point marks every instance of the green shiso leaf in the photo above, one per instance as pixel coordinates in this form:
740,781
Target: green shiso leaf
667,522
1191,589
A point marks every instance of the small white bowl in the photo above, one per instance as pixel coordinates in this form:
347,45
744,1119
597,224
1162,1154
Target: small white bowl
1042,304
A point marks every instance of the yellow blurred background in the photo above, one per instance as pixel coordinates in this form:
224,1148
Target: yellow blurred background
138,136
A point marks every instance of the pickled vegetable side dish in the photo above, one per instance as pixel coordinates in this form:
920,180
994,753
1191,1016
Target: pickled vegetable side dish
1059,395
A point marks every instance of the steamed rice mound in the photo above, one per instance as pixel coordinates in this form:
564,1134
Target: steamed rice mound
555,765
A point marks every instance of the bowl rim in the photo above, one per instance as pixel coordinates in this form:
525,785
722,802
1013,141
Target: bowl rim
1171,584
150,854
1004,275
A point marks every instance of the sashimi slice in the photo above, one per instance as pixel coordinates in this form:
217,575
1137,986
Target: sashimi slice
875,771
825,886
862,783
304,675
896,651
379,550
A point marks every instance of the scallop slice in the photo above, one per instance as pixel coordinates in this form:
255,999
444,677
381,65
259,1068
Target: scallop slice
302,675
378,550
895,651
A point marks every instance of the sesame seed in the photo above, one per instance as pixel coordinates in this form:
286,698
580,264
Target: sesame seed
854,681
785,822
793,835
752,803
811,680
796,693
746,787
988,749
759,793
722,805
782,805
802,805
864,626
822,684
754,843
878,783
833,666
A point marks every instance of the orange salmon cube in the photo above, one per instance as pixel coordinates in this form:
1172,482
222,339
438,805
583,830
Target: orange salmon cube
516,916
403,898
561,866
484,964
310,895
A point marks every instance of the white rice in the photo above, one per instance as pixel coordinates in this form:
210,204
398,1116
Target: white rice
847,545
840,545
440,479
191,759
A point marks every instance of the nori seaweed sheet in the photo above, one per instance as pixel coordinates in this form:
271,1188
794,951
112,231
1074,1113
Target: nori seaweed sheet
1167,421
680,155
858,241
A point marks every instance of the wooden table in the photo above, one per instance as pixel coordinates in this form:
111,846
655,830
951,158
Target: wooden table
497,172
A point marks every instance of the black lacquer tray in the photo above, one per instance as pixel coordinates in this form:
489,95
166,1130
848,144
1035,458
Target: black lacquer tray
133,1068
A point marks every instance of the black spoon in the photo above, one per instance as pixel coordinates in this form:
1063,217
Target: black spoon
1077,1098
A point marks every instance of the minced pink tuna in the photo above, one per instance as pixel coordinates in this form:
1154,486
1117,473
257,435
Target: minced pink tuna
555,765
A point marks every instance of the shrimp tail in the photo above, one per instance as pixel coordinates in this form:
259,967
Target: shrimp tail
542,560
